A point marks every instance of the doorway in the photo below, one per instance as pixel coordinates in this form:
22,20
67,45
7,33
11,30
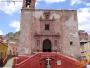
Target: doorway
47,45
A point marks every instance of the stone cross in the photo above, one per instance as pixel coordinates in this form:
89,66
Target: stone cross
48,63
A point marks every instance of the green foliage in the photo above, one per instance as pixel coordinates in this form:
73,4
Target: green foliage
13,36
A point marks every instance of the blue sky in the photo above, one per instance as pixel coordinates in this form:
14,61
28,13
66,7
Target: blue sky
10,12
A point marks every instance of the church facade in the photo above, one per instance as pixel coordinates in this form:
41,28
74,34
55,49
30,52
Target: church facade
48,31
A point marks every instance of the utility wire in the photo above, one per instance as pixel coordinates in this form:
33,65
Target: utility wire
11,1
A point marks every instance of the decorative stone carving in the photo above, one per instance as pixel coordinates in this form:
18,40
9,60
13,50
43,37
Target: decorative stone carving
47,14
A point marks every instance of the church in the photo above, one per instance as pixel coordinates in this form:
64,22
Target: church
43,30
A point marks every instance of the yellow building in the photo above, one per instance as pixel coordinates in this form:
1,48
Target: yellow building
85,52
3,50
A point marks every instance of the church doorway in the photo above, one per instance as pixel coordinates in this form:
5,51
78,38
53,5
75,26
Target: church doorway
46,45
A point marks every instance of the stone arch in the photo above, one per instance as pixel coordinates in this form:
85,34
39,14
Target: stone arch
47,47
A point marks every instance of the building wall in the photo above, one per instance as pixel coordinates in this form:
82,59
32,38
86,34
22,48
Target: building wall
3,50
3,47
85,52
63,30
83,36
12,48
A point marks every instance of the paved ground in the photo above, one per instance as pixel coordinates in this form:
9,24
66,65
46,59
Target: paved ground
9,64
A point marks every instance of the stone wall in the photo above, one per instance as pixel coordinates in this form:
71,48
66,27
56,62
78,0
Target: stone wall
63,31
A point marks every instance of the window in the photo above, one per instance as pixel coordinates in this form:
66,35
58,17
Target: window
71,43
82,52
46,26
82,43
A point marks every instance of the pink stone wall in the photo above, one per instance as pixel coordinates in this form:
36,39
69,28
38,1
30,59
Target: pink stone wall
63,29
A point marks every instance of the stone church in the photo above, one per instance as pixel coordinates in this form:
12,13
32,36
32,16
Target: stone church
48,31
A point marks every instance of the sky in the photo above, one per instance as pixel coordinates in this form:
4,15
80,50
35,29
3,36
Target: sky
10,12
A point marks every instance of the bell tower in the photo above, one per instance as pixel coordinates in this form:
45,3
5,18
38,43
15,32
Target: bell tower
26,28
29,4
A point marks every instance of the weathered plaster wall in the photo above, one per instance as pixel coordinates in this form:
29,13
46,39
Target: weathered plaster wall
63,23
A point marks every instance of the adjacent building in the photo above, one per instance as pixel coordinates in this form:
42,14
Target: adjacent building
83,37
84,45
3,48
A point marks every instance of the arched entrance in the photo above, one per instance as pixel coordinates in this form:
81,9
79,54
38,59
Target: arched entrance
47,45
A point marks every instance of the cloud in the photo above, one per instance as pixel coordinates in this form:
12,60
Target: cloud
15,25
73,2
53,1
10,7
1,32
76,2
87,4
84,19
